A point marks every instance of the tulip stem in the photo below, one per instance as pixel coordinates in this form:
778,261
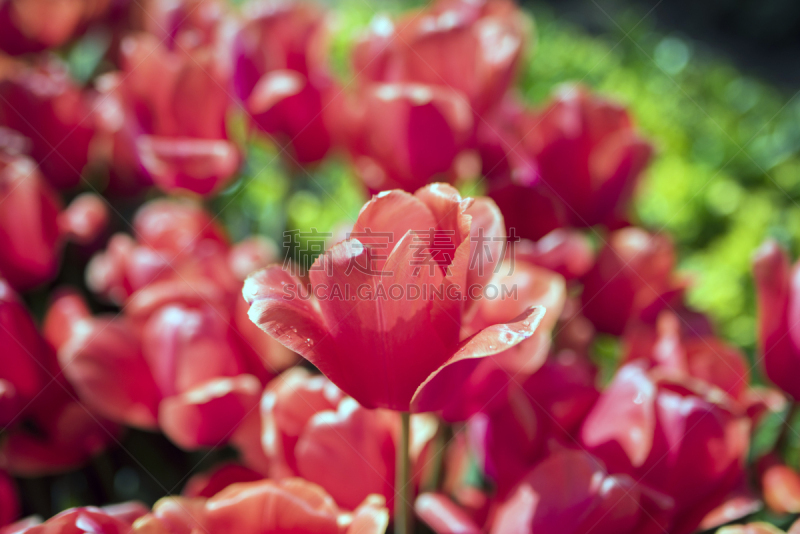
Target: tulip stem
402,485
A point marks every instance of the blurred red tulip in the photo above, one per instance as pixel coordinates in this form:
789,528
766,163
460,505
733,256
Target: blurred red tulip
116,519
34,25
311,429
164,114
509,437
570,492
45,105
184,364
589,158
405,339
683,346
45,429
281,75
443,516
779,316
567,252
29,234
781,486
223,475
405,135
632,278
84,219
483,388
469,46
666,436
290,505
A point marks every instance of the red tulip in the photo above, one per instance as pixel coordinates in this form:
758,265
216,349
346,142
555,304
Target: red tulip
311,429
779,335
687,445
176,360
684,347
567,252
291,505
632,279
45,105
482,389
508,438
45,429
29,234
589,158
443,516
781,486
115,519
174,239
471,47
165,114
33,25
281,76
172,21
405,135
181,372
385,350
223,475
570,492
84,219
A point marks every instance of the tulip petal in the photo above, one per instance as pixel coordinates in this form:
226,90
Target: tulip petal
208,414
443,516
387,218
631,398
393,340
371,517
104,362
350,440
435,391
291,505
278,308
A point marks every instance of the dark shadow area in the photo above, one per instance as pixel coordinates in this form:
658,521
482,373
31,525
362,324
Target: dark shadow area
761,37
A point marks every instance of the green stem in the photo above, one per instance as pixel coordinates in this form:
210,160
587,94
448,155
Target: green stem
440,441
402,484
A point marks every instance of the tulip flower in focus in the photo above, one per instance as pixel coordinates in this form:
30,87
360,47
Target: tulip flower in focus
45,105
162,117
289,505
311,429
388,351
779,335
45,429
689,444
184,363
589,158
281,75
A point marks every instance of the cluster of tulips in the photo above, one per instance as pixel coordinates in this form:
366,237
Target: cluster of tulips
435,365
